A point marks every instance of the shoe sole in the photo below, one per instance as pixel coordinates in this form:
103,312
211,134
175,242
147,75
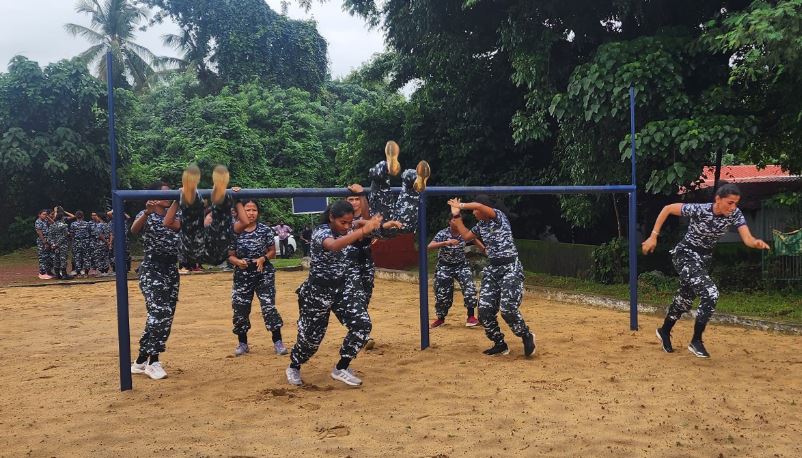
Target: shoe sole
505,352
471,325
391,152
696,353
137,371
660,338
340,379
220,178
424,172
156,378
189,184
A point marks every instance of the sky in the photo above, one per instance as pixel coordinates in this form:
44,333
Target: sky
35,29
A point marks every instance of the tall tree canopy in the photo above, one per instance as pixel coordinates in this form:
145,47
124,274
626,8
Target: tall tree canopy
111,28
245,40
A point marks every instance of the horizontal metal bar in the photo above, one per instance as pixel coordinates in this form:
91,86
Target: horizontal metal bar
343,192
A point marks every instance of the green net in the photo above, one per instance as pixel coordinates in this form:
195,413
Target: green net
788,244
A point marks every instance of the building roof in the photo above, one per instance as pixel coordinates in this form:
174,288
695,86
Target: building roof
746,174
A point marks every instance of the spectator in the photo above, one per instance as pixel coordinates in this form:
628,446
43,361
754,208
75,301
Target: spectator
283,231
306,236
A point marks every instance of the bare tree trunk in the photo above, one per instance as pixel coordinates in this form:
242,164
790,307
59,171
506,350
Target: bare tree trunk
617,215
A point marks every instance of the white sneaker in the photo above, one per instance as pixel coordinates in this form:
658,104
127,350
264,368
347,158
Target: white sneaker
183,271
345,376
155,371
138,368
294,376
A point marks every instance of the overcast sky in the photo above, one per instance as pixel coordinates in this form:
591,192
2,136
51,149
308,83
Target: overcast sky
35,29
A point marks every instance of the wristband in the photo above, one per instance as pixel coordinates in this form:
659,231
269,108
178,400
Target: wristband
462,205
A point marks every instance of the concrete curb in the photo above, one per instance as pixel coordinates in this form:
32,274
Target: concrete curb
614,304
93,280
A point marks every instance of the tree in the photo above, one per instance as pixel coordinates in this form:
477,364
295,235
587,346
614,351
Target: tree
111,28
245,40
52,138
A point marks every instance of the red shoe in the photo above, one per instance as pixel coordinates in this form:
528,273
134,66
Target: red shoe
471,322
437,323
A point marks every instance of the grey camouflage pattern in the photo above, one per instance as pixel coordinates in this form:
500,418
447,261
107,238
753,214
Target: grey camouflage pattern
695,281
315,304
403,208
159,284
444,276
502,290
705,228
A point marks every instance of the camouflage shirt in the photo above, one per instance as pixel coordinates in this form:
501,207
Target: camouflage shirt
57,233
158,239
42,225
360,248
450,254
253,244
705,228
81,230
496,234
325,265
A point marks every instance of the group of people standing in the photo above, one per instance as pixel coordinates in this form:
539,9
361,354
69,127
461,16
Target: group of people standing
341,272
59,232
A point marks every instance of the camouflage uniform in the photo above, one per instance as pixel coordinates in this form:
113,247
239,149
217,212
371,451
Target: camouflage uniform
360,272
502,279
321,293
158,281
206,244
252,245
452,265
58,238
403,208
127,255
42,249
100,251
692,257
81,232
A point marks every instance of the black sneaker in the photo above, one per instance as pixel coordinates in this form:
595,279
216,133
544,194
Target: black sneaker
665,339
529,344
498,349
698,348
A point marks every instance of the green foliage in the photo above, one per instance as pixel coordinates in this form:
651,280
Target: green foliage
553,258
52,138
20,234
610,262
247,41
111,28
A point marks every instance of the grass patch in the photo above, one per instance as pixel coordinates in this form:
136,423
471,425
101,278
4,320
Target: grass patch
291,262
773,305
21,256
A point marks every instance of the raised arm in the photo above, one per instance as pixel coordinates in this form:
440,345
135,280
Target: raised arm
170,221
332,244
139,223
650,243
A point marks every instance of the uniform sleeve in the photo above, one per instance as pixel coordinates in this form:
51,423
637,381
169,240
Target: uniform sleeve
738,218
138,215
691,209
270,237
440,237
322,233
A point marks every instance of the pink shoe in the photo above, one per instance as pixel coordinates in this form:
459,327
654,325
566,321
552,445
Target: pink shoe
471,322
437,323
45,277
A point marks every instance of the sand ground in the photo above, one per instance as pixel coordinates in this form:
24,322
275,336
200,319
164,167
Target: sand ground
593,389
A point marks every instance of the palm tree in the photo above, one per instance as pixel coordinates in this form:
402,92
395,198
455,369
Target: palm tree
112,27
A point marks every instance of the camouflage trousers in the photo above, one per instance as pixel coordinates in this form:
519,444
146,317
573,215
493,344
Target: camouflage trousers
694,281
206,244
502,290
403,208
245,285
100,256
82,254
359,281
45,257
59,257
158,282
444,276
315,302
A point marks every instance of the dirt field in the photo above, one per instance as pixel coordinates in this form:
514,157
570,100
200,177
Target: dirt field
593,389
